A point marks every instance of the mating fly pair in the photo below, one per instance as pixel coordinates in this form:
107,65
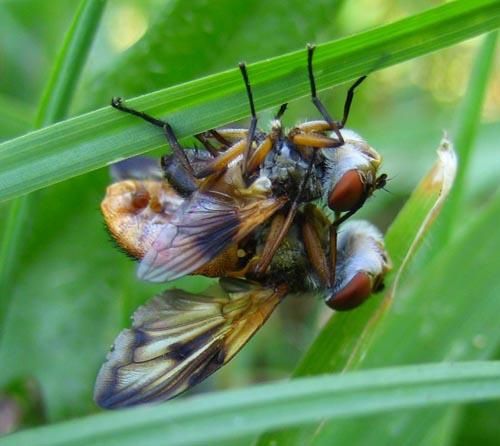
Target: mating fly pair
240,210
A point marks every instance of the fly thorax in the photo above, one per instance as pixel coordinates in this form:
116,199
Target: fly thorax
286,168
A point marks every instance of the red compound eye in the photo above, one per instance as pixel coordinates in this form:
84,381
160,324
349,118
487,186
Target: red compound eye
347,193
353,294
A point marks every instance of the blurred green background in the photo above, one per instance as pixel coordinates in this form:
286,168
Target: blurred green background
71,292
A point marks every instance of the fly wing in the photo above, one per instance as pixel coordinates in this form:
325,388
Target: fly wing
136,168
178,339
200,230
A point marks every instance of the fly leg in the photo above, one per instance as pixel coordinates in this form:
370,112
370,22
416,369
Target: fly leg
316,101
253,122
180,169
311,133
273,243
167,130
314,248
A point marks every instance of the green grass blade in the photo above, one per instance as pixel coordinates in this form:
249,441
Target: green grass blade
69,64
232,414
93,140
448,311
55,104
442,428
465,133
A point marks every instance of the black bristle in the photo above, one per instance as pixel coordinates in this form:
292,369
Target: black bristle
117,245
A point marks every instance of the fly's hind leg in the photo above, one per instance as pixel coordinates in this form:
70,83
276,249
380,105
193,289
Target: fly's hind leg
167,130
180,171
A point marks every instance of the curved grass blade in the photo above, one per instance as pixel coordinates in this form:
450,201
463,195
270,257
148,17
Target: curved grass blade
233,414
465,132
98,138
440,426
402,240
69,63
448,311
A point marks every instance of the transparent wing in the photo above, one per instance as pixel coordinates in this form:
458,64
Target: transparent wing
201,229
178,339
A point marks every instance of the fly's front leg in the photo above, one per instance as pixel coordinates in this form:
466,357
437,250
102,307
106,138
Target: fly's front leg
119,105
332,299
186,179
342,218
348,100
316,101
332,259
328,123
281,112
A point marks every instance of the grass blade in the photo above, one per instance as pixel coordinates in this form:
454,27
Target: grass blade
465,135
442,425
54,105
93,140
446,312
232,414
69,63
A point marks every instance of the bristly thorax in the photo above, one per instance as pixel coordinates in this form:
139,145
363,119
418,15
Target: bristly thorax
286,167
